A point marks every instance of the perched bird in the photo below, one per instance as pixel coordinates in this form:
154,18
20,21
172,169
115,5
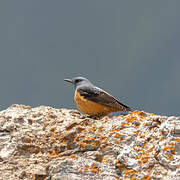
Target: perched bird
94,101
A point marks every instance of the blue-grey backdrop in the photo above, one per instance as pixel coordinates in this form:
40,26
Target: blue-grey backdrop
129,48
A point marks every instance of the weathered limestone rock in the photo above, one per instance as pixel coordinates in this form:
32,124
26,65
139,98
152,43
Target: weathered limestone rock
60,144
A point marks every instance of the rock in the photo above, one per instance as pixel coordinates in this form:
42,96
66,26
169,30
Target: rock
177,127
61,144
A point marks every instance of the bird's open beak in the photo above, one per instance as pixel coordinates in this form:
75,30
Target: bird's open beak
69,80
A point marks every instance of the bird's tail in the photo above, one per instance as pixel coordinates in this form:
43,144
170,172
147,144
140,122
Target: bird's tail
124,107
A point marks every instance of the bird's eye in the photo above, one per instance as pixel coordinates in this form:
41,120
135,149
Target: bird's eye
77,80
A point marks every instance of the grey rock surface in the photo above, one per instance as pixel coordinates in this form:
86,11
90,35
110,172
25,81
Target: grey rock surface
61,144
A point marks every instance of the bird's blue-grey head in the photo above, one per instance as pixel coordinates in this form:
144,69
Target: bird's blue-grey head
79,81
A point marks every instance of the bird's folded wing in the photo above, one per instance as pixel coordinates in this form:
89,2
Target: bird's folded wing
99,96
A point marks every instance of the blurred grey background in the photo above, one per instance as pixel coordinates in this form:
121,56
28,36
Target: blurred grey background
129,48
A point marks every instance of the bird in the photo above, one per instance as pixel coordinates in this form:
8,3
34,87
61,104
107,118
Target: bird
94,101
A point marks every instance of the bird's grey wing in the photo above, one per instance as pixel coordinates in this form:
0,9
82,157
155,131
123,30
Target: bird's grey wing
99,96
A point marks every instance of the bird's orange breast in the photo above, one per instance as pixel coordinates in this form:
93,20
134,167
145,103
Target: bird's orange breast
92,108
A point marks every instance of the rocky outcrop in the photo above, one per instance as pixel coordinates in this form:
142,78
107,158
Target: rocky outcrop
60,144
